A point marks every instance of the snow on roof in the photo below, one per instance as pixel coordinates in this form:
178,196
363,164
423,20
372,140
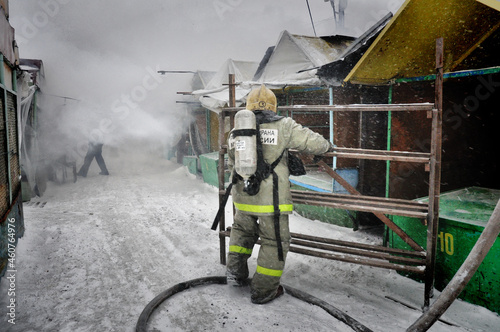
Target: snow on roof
293,61
294,58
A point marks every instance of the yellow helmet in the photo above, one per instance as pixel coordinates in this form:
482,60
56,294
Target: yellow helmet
261,99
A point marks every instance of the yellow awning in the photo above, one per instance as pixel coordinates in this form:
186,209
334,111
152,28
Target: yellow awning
406,47
492,3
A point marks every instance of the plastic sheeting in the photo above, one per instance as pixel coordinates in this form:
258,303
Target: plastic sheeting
27,139
292,62
295,59
216,94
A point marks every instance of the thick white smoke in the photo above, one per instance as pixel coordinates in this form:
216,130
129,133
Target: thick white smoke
105,55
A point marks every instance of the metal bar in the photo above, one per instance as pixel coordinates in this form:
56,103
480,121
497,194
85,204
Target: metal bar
378,260
395,228
362,107
377,248
394,251
357,260
358,252
385,155
377,211
384,152
405,156
352,107
388,148
434,175
411,203
365,201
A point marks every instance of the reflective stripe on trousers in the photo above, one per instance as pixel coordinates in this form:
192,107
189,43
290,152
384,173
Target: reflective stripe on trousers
263,208
240,250
269,272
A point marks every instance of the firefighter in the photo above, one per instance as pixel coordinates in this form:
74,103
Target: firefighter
260,212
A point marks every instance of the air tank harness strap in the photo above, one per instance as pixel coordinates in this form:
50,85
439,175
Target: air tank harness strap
277,216
223,204
263,171
276,208
244,132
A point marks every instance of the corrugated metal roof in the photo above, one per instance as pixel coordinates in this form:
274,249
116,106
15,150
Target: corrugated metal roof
406,47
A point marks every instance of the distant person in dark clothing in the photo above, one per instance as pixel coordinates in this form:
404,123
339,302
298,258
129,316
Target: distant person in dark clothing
95,150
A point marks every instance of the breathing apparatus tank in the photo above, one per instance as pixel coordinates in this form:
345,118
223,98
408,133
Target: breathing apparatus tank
245,144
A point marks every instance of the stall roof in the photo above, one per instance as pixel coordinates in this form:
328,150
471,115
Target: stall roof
201,79
215,94
242,70
333,73
293,61
406,47
492,3
295,58
35,69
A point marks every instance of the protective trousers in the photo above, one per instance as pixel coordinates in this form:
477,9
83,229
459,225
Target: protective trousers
245,232
94,151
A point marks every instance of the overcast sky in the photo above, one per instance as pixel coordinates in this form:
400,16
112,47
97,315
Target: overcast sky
100,51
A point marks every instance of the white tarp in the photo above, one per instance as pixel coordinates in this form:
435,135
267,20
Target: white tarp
293,62
216,94
25,130
295,59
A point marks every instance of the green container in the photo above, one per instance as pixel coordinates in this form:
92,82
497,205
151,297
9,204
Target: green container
191,162
209,163
463,214
329,215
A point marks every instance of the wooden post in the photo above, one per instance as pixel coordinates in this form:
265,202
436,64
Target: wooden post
434,176
222,152
221,168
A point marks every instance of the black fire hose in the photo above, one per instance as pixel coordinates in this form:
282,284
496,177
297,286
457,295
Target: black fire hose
148,310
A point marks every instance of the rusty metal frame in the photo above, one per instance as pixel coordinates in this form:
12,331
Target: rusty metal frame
417,260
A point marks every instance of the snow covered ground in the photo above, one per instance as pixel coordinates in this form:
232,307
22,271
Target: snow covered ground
102,248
